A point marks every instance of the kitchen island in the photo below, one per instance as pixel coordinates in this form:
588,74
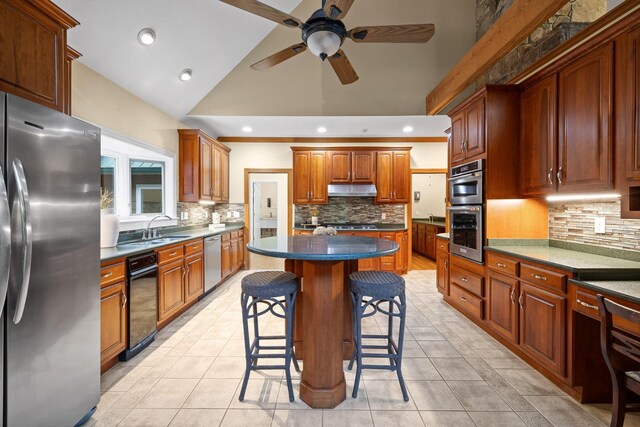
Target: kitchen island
323,335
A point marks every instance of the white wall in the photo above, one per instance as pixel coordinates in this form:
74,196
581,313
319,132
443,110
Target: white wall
279,155
433,190
613,3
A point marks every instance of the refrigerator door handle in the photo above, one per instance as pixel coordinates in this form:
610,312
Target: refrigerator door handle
5,241
27,238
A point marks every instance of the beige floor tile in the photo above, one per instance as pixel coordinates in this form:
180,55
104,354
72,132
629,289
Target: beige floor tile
226,367
529,382
189,367
387,395
162,367
131,397
433,395
346,418
455,368
397,418
168,393
206,348
198,418
438,349
247,417
107,400
509,362
261,393
149,417
212,393
422,333
477,396
233,348
293,418
534,419
419,369
359,403
496,419
282,401
562,411
122,377
446,419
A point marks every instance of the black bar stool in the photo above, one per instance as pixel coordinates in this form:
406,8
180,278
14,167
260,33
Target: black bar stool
274,289
369,290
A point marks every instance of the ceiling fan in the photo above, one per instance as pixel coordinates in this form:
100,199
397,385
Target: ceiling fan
324,32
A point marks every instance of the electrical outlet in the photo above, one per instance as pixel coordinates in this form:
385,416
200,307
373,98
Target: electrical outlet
206,214
236,214
184,216
600,225
384,215
229,214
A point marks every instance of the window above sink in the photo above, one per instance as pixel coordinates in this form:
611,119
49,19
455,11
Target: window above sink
141,178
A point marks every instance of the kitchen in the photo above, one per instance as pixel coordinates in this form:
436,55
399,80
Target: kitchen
176,227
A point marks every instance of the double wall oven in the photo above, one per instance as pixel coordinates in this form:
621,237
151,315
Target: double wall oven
466,213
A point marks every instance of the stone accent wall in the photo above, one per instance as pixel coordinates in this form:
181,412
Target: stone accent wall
566,23
357,210
574,222
196,213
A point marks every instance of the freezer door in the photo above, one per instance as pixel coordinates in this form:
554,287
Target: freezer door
53,304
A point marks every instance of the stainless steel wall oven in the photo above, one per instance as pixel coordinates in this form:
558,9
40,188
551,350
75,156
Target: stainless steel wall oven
466,214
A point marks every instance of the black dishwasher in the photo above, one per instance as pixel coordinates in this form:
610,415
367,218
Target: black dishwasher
142,275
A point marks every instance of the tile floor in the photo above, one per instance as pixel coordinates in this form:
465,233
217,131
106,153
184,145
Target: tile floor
456,375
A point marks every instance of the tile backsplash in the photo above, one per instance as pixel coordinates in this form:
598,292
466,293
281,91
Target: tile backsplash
575,221
198,214
230,207
351,209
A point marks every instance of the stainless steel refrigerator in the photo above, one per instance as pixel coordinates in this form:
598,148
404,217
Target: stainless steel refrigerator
49,265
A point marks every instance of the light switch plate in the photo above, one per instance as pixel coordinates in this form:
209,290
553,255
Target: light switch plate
384,215
229,214
600,225
206,214
236,214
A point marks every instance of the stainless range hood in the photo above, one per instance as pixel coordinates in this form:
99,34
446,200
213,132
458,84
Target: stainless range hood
352,190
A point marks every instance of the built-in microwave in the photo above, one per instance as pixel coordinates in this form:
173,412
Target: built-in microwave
466,184
466,237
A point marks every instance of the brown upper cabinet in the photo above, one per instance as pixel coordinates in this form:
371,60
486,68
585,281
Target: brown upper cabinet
34,59
346,167
393,176
204,168
310,177
468,131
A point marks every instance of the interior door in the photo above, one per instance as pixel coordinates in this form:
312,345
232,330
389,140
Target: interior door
53,339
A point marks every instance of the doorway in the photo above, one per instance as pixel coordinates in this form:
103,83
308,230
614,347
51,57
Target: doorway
268,211
428,215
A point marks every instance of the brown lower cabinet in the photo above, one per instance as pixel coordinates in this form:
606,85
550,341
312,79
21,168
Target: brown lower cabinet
442,266
424,238
502,312
232,252
113,312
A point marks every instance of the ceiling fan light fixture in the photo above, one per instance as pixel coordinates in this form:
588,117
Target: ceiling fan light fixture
324,44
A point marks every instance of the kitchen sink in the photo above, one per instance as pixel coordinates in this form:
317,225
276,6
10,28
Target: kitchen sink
135,243
166,239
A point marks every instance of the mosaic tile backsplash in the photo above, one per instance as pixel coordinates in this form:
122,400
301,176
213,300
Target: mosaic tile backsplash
196,213
574,222
358,210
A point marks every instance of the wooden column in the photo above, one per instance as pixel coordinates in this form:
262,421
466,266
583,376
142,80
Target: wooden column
322,384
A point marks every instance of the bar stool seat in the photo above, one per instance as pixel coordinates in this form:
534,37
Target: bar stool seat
277,291
377,284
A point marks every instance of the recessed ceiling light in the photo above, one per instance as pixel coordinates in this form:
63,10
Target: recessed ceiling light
322,129
146,36
246,129
185,74
407,129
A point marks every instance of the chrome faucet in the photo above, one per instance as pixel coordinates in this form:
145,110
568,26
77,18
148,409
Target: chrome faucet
430,215
146,234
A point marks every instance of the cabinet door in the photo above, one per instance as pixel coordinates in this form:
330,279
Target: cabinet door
171,295
431,244
113,320
301,167
458,136
241,247
632,113
234,255
475,124
442,272
401,177
538,142
363,167
584,122
226,258
388,263
422,239
318,177
542,326
502,313
224,174
402,256
384,180
206,170
414,237
339,167
216,173
194,277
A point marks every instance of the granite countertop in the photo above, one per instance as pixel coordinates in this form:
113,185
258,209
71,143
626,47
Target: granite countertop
626,289
323,248
443,235
132,248
379,227
426,221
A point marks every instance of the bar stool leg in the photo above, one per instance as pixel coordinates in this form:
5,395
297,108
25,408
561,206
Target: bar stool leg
354,322
244,299
288,342
392,362
358,332
403,314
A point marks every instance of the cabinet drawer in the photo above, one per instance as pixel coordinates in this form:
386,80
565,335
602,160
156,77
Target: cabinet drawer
442,245
111,274
543,277
193,247
466,301
504,265
170,254
467,280
586,304
234,235
225,237
388,263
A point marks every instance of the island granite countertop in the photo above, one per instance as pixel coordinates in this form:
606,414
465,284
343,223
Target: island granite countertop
132,248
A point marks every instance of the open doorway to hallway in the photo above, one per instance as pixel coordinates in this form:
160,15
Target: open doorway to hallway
269,211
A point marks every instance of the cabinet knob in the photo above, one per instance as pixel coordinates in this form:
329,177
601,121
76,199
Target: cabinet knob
464,279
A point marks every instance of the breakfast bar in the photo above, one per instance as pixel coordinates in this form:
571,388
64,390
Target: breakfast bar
322,330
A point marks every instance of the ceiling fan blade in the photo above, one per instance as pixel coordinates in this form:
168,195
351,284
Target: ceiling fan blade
279,57
265,11
419,33
337,9
343,68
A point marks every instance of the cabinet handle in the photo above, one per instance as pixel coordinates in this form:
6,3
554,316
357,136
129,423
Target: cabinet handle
173,253
109,274
446,264
511,296
584,304
184,272
501,265
559,175
520,300
539,277
464,299
550,176
464,279
124,296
